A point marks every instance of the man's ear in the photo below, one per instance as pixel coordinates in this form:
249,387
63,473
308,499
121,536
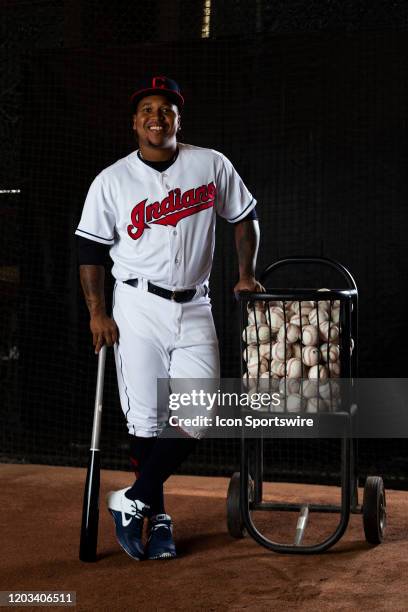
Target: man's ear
134,122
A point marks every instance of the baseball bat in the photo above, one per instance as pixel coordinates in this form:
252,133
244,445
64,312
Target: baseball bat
90,509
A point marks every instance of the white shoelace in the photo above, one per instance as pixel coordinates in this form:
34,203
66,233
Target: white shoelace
157,525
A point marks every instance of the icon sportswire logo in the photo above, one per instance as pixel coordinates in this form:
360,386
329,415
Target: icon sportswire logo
174,207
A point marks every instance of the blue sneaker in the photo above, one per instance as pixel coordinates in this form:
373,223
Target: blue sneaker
128,515
160,543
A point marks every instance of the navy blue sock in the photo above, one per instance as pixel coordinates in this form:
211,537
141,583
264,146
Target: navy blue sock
140,450
164,459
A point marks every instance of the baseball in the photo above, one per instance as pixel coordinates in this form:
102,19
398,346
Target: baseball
316,404
335,315
275,380
264,333
268,383
296,320
281,351
258,316
318,314
309,388
250,352
253,351
294,368
318,371
288,386
256,368
271,385
265,350
310,336
278,367
275,317
330,352
334,369
295,403
329,389
248,381
310,355
255,306
329,303
275,407
296,350
250,336
288,311
324,303
290,333
284,305
327,328
247,334
304,306
351,346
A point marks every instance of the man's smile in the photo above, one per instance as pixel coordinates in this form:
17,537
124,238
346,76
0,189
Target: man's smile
155,127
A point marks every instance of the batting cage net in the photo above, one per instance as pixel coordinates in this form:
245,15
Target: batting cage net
308,103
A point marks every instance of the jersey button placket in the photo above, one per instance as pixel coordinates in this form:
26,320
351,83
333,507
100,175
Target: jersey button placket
176,258
165,188
173,237
165,183
165,180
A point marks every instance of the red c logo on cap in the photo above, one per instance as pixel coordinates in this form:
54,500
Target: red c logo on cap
159,82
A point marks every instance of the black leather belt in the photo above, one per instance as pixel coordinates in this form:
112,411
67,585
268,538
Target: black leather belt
175,296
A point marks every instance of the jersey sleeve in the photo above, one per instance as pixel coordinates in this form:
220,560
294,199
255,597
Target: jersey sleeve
91,253
98,220
234,202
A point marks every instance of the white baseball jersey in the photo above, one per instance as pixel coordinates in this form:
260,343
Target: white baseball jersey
161,225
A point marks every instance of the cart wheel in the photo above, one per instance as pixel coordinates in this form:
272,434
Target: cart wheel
235,523
374,510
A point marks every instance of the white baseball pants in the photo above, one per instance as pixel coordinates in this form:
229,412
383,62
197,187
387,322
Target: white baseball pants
159,338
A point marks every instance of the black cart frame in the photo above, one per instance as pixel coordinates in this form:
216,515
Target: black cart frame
245,493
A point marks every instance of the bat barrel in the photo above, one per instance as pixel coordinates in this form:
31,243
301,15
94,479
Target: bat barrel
90,509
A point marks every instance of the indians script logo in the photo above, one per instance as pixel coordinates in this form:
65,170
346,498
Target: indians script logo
171,209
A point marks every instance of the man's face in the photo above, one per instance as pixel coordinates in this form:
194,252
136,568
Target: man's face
156,122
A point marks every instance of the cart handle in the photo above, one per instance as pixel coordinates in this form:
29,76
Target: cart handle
310,260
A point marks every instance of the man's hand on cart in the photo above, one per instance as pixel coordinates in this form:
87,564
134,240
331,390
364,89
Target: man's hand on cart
249,283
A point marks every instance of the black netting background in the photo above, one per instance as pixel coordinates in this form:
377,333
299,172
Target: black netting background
308,101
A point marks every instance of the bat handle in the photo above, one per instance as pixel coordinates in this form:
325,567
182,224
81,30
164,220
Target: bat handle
96,429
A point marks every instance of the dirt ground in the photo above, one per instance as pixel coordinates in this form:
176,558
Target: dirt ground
40,515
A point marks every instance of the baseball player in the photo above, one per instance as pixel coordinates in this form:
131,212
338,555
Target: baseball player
155,211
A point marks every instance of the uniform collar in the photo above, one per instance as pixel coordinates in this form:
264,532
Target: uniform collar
160,166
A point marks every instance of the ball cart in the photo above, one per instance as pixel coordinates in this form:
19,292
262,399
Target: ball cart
303,343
